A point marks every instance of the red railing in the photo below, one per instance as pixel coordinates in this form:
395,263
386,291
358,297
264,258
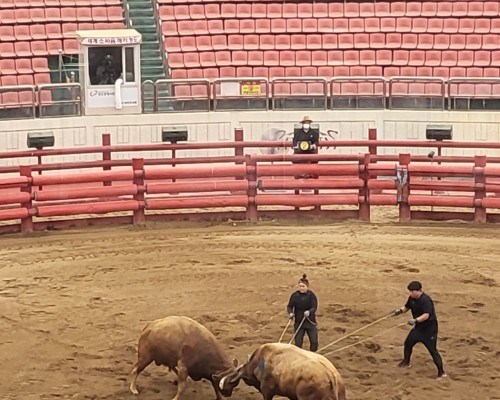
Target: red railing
247,186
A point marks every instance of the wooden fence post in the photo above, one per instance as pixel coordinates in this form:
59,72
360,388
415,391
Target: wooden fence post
372,135
364,207
403,184
139,217
106,154
251,167
479,189
27,223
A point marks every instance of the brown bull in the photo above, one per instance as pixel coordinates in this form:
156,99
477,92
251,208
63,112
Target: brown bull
187,348
278,369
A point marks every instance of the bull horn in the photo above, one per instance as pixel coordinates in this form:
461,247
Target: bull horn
237,376
221,383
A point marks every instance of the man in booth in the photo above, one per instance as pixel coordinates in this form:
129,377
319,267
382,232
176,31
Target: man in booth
306,141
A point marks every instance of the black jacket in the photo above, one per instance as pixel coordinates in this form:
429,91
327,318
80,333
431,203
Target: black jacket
422,305
300,302
309,136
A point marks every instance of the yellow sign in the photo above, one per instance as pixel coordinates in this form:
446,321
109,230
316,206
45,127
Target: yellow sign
304,146
250,89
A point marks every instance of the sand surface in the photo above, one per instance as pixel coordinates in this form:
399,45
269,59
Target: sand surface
73,303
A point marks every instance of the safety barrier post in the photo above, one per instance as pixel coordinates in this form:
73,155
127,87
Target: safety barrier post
364,206
238,138
238,151
403,182
106,154
251,167
479,189
27,223
372,135
139,217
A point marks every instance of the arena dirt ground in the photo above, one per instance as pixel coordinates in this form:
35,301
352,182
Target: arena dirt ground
73,303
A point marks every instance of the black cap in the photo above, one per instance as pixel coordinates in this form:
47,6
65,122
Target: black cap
415,285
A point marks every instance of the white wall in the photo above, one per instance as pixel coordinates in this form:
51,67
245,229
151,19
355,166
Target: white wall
219,126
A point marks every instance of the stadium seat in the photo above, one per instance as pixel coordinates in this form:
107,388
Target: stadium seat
251,42
203,43
7,50
267,42
246,26
243,10
212,11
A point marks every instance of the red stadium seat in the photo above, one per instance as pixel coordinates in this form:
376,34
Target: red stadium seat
240,57
247,26
283,42
218,42
7,50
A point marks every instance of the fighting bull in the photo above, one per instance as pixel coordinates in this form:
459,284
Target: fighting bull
185,347
278,369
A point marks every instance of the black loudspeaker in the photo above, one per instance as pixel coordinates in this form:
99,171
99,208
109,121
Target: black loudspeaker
439,132
174,134
39,140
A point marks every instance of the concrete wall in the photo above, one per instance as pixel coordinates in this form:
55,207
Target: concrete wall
219,126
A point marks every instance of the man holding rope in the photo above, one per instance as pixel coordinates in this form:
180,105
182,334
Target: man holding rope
425,326
302,306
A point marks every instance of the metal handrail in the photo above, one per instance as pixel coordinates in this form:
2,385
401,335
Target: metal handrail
143,100
253,79
189,82
428,79
126,12
17,89
301,79
159,33
369,78
76,93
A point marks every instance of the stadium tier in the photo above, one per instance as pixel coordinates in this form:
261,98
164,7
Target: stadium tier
213,39
444,39
34,32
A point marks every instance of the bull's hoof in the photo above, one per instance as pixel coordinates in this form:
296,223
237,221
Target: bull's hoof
134,391
175,382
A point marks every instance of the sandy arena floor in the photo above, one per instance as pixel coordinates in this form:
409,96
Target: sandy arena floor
73,303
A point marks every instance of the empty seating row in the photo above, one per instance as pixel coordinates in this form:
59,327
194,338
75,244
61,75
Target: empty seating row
195,10
13,80
333,71
356,89
434,58
37,48
24,66
330,41
65,14
57,3
328,25
23,98
50,31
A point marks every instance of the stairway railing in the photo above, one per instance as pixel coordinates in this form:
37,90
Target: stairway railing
159,35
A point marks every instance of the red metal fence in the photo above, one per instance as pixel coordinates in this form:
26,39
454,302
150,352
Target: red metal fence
34,197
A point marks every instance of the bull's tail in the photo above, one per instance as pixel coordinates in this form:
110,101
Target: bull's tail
338,390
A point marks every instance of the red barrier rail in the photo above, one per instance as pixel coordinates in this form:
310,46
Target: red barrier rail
252,186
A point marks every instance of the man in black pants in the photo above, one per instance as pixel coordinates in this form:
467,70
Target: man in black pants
302,306
425,326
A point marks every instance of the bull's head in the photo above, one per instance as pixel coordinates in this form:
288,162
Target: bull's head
228,382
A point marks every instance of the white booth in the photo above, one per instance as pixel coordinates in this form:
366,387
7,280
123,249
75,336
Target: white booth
110,71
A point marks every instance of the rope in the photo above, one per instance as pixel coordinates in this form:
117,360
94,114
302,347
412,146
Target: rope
284,330
356,331
364,340
295,333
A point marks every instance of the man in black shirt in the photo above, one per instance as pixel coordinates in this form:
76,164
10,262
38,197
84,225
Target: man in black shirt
305,141
425,326
303,305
